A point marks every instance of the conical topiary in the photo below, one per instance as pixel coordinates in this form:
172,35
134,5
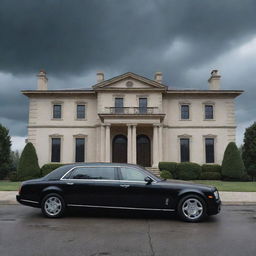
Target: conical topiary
232,164
28,167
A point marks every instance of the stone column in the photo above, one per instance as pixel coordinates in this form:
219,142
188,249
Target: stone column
102,143
160,143
129,143
107,149
134,145
155,145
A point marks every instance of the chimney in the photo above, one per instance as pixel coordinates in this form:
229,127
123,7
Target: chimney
214,80
100,77
159,77
42,81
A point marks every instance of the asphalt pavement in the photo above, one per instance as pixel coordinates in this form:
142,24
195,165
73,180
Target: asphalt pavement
24,231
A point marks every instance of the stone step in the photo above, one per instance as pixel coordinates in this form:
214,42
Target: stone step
155,171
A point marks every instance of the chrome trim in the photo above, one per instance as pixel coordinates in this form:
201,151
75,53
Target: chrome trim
116,181
116,166
29,201
115,207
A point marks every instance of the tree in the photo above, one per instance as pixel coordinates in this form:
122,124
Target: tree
232,164
28,167
5,150
249,148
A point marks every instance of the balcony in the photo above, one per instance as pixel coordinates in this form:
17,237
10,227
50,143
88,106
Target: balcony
131,112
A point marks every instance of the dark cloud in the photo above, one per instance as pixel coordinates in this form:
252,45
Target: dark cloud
73,39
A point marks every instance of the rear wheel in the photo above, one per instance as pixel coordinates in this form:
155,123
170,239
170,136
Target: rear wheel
192,208
53,206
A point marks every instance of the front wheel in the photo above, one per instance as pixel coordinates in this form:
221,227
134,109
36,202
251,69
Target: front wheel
53,206
192,208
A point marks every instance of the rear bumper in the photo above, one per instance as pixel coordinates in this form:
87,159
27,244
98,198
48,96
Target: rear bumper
27,202
214,207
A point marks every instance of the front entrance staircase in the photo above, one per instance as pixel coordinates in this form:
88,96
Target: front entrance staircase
153,170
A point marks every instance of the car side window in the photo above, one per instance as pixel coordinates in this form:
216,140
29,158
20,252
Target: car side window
93,173
132,174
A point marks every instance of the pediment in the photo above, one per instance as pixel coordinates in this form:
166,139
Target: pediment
129,81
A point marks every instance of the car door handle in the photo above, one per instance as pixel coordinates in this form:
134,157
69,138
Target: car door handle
125,186
70,183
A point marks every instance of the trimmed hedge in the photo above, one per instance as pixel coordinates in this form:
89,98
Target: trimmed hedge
211,168
47,168
28,167
166,174
169,166
210,176
188,171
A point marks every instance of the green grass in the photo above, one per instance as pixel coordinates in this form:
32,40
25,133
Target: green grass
9,186
237,186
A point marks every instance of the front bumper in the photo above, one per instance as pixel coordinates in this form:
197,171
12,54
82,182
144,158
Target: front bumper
214,207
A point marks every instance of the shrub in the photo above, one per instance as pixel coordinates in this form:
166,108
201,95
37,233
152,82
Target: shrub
28,167
211,168
188,171
166,174
47,168
13,176
232,164
252,171
210,176
169,166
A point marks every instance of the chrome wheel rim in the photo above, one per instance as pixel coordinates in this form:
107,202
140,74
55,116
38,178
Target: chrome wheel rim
192,208
52,206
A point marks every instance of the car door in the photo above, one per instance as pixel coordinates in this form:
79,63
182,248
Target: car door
136,193
92,186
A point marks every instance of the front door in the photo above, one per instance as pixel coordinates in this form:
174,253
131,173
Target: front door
143,151
119,149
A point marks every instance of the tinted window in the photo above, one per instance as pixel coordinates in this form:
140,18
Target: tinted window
184,111
143,104
80,109
184,150
80,143
209,150
119,105
96,173
208,111
56,142
56,111
132,174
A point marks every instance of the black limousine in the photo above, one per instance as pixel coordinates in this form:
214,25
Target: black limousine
117,186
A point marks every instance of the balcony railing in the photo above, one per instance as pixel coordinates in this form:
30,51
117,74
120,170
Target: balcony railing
132,110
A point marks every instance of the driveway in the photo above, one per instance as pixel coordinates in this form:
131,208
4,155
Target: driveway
24,231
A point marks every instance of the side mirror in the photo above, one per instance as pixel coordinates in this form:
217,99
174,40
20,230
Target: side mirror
148,180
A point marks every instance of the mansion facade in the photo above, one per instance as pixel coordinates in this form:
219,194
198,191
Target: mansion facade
131,119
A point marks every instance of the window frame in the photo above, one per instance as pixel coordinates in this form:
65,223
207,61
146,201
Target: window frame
51,148
119,110
214,149
61,110
76,111
213,111
143,110
189,154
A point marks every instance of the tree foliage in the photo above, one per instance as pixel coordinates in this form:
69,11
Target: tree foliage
5,151
232,164
249,148
28,167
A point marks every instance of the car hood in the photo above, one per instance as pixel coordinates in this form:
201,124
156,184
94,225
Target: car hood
185,184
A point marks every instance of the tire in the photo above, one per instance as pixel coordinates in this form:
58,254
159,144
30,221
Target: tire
192,208
53,206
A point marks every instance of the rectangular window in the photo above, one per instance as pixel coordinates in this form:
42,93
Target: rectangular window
56,143
184,150
94,173
184,112
80,145
119,105
80,111
57,111
208,112
143,105
209,150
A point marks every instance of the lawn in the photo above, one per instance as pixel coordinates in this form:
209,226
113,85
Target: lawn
237,186
9,186
220,185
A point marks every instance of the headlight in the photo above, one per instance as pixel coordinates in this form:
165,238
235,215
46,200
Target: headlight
216,194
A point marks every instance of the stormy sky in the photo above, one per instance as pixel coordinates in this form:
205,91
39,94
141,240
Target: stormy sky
72,40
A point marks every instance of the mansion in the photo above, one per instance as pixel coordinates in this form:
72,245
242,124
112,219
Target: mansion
131,119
